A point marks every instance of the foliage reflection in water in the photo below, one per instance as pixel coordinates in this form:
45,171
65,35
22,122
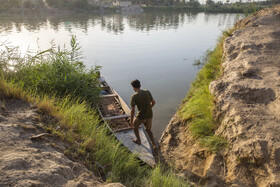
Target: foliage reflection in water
157,48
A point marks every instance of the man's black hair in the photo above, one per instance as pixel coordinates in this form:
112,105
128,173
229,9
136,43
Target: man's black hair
135,83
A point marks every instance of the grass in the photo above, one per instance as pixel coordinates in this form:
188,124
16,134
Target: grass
58,72
12,91
197,107
77,123
165,178
51,80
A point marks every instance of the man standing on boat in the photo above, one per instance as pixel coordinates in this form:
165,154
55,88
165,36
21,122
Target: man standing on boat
144,101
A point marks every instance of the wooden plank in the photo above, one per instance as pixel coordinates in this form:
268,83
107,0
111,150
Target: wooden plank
123,129
123,104
143,151
105,87
110,95
116,117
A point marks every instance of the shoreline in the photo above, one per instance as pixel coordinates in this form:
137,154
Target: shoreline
108,10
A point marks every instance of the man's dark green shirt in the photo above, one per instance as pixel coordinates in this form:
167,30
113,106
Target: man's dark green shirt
142,100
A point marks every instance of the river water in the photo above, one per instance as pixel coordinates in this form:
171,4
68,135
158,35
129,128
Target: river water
159,49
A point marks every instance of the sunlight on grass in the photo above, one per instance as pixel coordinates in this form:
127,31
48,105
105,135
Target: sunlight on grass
161,178
197,107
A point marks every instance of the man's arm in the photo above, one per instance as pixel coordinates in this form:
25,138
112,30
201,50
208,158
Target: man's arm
132,114
153,103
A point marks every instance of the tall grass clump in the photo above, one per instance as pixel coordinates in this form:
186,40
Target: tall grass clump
59,73
161,178
197,107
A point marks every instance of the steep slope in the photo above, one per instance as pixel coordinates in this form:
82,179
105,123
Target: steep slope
247,107
30,160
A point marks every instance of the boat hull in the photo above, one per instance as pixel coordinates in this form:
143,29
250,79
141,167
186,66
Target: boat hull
125,134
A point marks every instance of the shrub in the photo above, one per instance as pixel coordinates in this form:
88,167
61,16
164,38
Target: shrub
69,4
161,178
8,4
58,72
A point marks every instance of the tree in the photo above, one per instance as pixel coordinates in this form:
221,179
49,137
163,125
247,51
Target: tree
8,4
210,2
193,3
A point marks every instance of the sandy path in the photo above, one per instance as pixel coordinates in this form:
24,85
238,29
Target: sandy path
40,162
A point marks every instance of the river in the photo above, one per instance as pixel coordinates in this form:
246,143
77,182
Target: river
159,49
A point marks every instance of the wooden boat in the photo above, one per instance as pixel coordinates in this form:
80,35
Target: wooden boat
116,115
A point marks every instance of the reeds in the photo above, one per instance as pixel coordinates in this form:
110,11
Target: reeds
57,72
197,107
160,178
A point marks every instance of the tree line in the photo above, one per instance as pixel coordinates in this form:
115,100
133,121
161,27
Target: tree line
92,4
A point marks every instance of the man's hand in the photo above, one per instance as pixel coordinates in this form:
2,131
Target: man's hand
153,103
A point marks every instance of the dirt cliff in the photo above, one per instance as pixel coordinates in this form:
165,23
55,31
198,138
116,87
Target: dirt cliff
31,157
247,106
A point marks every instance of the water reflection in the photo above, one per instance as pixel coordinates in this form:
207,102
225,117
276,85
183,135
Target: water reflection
115,23
157,48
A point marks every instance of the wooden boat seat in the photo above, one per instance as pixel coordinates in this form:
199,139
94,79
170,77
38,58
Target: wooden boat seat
117,117
110,95
105,87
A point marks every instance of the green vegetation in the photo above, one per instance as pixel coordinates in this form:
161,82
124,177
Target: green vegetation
31,4
8,4
167,179
151,5
70,4
167,5
194,6
197,107
58,72
66,94
19,4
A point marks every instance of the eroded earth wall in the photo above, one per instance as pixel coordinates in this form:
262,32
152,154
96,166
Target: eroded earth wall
247,105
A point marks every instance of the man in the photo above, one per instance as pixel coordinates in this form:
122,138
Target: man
144,102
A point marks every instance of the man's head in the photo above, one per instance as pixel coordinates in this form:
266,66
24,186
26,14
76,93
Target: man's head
136,84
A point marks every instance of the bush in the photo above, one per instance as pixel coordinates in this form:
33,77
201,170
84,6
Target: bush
57,3
8,4
161,177
193,3
79,4
58,72
69,4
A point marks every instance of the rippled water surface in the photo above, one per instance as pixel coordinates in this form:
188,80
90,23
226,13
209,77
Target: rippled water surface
159,49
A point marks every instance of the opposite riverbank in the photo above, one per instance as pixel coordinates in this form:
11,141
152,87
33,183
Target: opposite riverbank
28,7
